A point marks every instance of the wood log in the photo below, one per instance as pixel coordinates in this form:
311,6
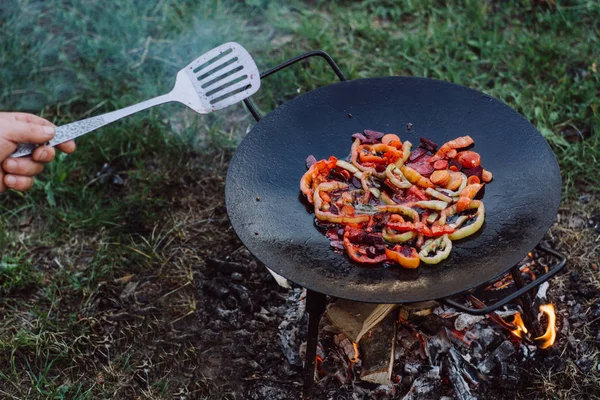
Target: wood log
377,351
355,319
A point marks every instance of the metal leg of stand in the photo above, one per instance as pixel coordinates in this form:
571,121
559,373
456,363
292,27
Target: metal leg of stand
315,306
530,316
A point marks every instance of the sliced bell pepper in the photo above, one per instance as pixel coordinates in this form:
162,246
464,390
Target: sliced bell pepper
354,253
331,217
475,226
406,256
436,251
392,237
396,177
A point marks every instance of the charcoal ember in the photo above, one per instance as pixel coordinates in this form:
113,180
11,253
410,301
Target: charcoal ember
466,321
310,161
216,289
431,324
382,392
487,336
407,339
435,347
461,338
424,388
452,368
498,356
508,376
292,327
412,368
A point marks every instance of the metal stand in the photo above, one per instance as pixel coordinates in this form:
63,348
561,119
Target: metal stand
315,306
521,287
316,302
315,53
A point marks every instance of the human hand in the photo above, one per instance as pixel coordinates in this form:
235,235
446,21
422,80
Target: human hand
16,128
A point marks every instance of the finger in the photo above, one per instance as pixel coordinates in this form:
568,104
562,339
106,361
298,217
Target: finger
43,154
25,117
22,166
6,148
26,132
67,147
17,182
2,186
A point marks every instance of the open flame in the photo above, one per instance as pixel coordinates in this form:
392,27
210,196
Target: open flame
355,358
548,338
521,329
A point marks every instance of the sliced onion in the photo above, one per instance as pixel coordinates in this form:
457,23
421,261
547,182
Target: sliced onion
376,192
347,165
432,217
434,193
432,204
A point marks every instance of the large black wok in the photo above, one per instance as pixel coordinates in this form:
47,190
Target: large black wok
521,202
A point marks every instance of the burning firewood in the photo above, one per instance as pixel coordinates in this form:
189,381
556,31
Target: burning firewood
377,348
355,319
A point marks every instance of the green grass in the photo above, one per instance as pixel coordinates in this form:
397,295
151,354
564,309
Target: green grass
69,60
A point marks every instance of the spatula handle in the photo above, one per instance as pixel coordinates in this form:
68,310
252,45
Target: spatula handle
75,129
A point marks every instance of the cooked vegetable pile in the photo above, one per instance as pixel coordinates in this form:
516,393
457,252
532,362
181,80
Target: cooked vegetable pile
391,204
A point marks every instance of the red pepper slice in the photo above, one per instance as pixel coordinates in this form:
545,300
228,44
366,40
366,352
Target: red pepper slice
401,226
414,190
439,230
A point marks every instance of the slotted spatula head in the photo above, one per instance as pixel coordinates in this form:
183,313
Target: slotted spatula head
217,79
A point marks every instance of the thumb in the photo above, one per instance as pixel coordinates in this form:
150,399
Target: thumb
26,132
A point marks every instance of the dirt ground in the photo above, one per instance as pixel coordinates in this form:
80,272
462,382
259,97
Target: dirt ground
200,321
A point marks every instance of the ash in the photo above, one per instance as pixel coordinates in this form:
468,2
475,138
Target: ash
439,353
472,362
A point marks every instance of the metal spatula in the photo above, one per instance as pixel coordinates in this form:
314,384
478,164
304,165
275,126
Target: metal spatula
224,76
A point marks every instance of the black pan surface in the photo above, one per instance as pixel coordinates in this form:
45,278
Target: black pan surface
521,202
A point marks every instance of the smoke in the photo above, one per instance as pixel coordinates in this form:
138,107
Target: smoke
77,59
